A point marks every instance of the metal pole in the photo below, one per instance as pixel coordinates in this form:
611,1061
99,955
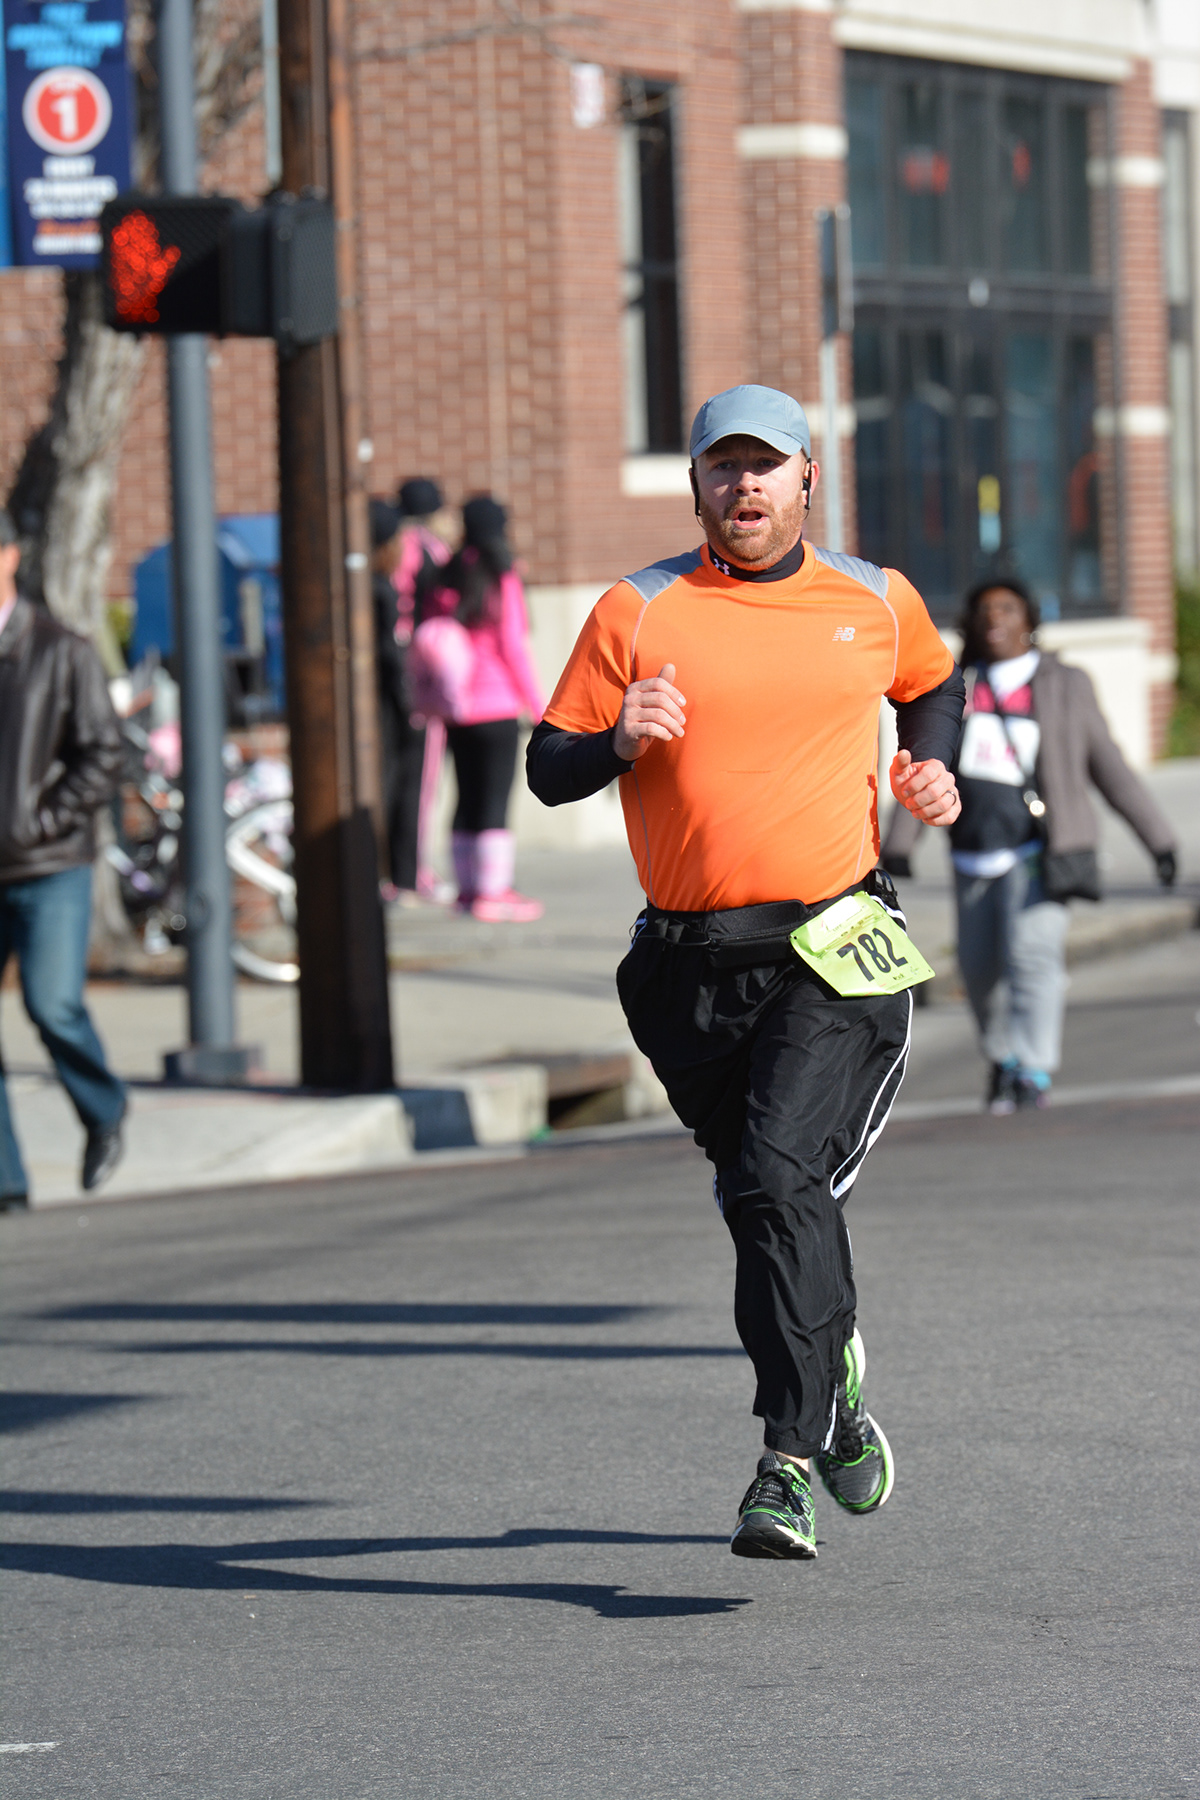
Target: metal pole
211,1055
273,160
831,449
345,1033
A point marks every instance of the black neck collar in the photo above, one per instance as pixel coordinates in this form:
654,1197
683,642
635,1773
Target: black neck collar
789,564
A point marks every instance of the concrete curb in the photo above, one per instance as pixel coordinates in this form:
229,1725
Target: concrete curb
209,1138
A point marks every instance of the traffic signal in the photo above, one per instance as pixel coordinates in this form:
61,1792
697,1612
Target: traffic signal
193,263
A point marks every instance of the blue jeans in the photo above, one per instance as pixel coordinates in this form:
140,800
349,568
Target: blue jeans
45,921
1012,953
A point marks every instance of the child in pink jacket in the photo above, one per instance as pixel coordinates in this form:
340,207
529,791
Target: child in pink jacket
482,590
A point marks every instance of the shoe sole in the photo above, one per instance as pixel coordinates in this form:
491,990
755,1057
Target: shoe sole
773,1542
889,1477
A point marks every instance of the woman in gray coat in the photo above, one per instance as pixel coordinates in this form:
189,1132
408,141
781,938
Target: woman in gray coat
1033,739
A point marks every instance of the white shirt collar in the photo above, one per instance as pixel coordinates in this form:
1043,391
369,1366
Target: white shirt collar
1004,678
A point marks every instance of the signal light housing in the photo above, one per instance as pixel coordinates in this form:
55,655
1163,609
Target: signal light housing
206,263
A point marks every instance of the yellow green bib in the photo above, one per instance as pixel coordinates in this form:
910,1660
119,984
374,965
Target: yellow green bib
858,948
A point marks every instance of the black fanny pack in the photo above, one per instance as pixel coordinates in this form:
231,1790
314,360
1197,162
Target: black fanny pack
746,935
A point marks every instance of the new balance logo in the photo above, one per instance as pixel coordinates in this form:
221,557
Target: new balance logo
844,634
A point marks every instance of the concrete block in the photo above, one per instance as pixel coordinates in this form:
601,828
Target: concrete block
501,1105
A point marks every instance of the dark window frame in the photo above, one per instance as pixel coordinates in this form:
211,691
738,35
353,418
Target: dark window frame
976,308
651,106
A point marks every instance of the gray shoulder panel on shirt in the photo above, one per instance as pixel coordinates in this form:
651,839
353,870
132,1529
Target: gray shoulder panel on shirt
660,575
865,573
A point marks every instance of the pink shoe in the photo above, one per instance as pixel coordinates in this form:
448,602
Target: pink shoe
509,908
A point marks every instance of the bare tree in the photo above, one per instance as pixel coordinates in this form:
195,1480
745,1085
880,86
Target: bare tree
61,498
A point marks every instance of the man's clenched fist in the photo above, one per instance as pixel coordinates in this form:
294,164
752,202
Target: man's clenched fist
651,709
926,788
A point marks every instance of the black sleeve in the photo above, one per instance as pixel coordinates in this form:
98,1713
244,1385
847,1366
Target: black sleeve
569,765
91,750
928,726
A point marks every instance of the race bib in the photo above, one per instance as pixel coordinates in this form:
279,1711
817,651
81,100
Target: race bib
994,749
858,948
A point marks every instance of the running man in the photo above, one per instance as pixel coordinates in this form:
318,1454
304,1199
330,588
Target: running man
734,693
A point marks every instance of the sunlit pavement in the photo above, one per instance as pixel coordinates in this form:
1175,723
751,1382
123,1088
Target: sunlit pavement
421,1485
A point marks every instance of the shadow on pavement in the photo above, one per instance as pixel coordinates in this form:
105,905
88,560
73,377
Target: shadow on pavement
24,1410
346,1312
214,1569
33,1500
467,1347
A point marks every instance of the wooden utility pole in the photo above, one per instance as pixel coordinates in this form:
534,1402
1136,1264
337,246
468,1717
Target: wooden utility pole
345,1036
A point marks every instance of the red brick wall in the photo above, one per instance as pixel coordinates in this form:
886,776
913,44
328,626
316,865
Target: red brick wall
792,74
492,285
31,310
492,278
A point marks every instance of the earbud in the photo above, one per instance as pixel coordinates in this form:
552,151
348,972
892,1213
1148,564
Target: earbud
695,489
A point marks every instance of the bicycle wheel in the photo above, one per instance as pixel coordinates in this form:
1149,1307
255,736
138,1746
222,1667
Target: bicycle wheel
258,849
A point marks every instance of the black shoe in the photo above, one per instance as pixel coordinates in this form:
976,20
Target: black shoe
1002,1090
14,1203
1031,1094
104,1150
776,1516
857,1467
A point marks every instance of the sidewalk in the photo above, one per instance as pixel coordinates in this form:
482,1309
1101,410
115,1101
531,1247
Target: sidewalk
480,1013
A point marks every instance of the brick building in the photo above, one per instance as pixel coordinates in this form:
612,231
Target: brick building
573,233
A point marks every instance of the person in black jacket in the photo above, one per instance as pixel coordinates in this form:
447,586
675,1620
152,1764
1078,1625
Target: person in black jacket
60,751
402,744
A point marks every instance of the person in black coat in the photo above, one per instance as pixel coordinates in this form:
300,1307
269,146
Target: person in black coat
60,754
402,743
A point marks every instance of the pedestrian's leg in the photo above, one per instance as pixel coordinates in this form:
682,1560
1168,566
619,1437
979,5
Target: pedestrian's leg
1037,977
431,772
405,818
467,749
53,962
389,757
497,899
14,1183
982,959
823,1077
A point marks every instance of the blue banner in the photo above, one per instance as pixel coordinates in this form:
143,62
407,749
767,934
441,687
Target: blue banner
69,125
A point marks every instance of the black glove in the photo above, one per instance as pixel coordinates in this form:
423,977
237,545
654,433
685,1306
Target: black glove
1167,867
901,867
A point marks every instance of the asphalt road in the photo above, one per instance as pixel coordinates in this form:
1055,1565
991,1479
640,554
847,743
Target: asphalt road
421,1487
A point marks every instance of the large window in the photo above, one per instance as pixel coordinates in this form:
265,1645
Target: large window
653,384
982,352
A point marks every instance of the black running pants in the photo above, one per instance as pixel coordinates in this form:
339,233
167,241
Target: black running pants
786,1086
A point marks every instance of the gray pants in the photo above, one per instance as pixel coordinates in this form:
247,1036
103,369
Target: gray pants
1011,945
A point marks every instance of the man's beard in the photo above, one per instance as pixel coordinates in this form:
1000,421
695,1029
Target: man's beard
786,527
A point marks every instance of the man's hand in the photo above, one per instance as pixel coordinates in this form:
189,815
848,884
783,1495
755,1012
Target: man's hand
926,788
651,709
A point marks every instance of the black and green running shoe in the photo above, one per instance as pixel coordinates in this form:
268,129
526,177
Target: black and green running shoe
776,1517
857,1467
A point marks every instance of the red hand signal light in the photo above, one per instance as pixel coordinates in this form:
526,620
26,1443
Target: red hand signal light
140,267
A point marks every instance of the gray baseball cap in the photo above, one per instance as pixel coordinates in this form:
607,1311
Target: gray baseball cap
759,412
